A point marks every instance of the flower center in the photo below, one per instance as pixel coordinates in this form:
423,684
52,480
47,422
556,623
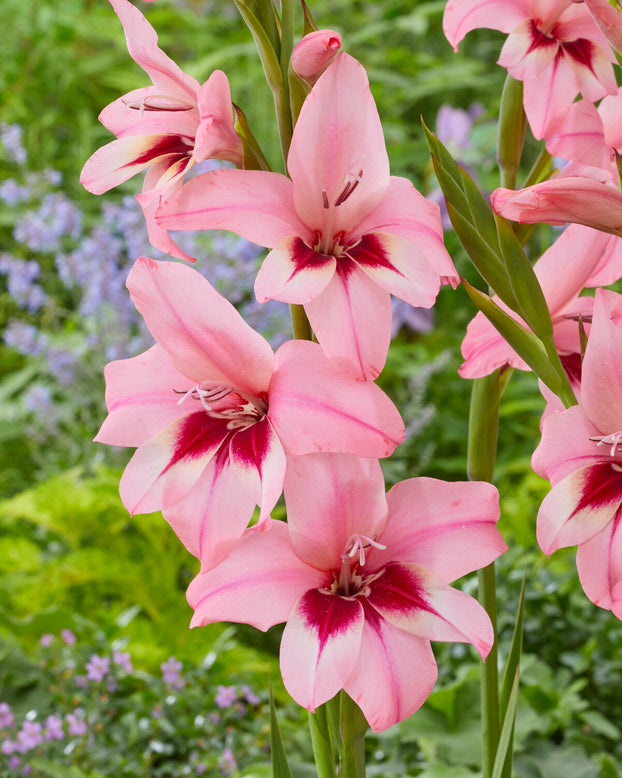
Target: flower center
241,409
614,439
327,244
159,103
350,580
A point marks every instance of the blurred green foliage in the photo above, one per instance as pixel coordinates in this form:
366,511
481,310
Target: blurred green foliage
71,557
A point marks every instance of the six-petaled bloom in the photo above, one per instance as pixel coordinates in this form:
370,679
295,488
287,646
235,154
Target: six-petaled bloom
166,127
214,411
344,233
554,46
361,580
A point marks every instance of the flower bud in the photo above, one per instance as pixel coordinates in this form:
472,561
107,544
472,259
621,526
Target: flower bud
314,54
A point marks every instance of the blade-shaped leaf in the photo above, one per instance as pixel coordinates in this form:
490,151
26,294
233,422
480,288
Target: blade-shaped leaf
280,767
267,53
527,291
507,730
527,345
512,669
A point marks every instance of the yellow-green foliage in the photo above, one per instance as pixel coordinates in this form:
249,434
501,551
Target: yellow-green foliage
68,543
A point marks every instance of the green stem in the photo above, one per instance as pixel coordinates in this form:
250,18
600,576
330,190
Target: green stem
300,324
482,449
281,95
352,747
323,750
511,134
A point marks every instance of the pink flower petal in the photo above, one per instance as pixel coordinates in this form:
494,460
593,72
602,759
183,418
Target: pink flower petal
216,137
462,16
601,384
258,460
332,497
124,116
599,562
142,44
579,506
258,583
337,141
547,97
165,468
609,20
320,646
205,337
394,674
352,321
293,273
397,265
121,159
214,513
314,407
562,200
413,599
565,445
141,398
405,212
450,527
257,205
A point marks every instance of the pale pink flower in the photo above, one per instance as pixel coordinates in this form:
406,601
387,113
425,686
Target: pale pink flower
166,127
562,200
345,233
361,580
581,455
553,46
578,259
214,411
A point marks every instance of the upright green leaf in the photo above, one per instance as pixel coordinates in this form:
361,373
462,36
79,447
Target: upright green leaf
280,766
507,731
527,345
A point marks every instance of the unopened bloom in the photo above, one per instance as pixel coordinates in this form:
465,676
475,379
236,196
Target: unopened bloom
361,580
561,200
344,233
214,411
314,53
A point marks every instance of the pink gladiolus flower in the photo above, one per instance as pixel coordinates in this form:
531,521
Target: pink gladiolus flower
562,200
214,411
361,580
588,259
166,127
314,53
345,234
553,46
581,455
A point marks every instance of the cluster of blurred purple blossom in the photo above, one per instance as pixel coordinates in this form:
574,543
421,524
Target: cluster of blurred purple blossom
66,281
90,688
